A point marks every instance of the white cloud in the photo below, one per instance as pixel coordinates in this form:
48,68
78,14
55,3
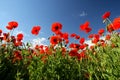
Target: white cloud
34,41
19,31
39,41
82,14
89,42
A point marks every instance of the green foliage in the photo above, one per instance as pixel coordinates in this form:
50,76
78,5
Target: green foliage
25,63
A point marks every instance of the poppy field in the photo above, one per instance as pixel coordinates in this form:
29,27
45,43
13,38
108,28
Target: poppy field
62,59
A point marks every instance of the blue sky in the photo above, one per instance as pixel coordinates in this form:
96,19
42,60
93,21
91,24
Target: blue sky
71,13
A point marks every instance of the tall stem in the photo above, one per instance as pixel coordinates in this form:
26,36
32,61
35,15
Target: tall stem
109,21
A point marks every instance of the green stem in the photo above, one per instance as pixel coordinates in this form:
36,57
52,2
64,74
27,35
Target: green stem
109,21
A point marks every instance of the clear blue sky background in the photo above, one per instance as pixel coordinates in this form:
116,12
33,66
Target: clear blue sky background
71,13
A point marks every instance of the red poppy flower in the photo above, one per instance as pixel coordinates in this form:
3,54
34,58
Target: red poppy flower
14,24
0,32
56,27
116,23
35,30
102,41
96,36
37,47
18,43
110,28
73,35
85,27
88,29
82,40
73,53
41,46
106,15
65,35
74,45
42,51
77,37
107,37
71,45
95,40
82,46
54,40
101,31
9,27
81,55
20,37
86,45
66,41
90,36
46,48
17,55
59,33
92,47
6,35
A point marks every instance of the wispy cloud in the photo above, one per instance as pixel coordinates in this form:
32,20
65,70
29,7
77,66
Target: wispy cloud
19,31
82,14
